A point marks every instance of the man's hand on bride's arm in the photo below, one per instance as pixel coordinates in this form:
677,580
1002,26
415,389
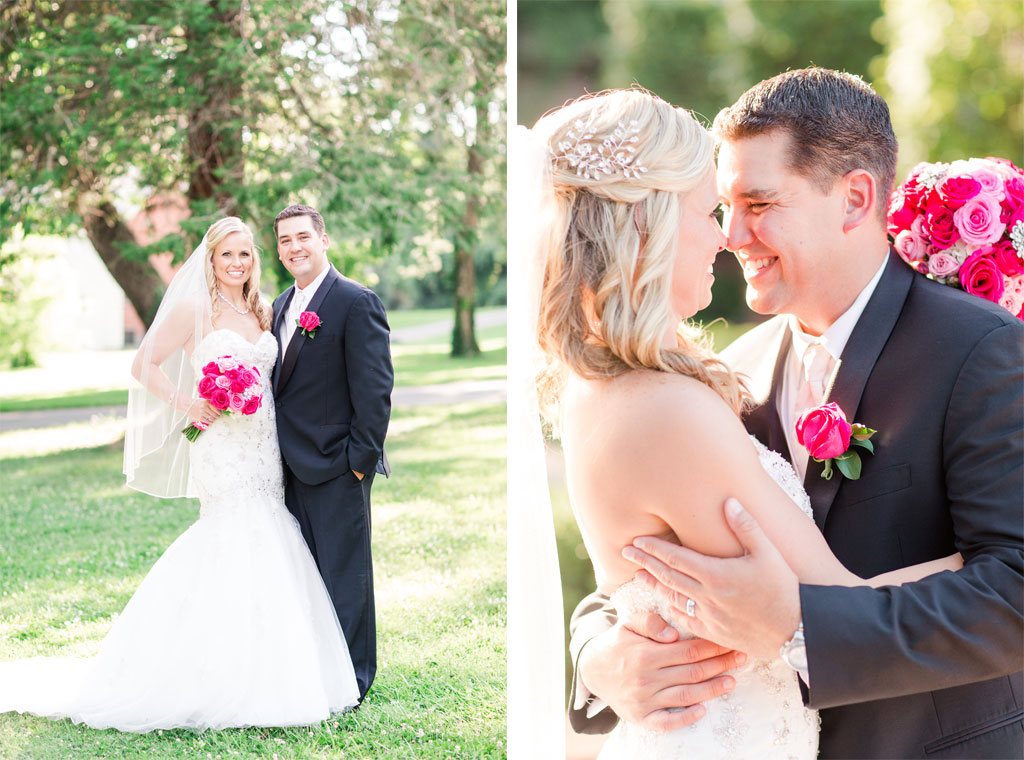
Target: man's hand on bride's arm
750,603
640,670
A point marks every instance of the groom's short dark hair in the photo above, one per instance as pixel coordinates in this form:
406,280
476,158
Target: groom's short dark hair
299,210
836,123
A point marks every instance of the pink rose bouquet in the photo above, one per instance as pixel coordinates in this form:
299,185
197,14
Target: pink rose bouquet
229,385
309,322
962,224
829,438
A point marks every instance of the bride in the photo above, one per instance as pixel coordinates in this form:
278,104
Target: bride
649,418
233,625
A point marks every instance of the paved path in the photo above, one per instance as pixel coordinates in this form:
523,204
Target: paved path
481,320
477,391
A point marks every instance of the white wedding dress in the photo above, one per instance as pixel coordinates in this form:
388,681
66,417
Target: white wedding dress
233,625
762,718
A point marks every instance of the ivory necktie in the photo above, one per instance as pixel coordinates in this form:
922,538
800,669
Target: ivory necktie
816,363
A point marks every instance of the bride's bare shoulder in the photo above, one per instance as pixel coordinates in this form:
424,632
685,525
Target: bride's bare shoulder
648,399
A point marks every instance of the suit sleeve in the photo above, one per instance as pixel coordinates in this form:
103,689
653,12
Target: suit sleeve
593,616
950,628
370,380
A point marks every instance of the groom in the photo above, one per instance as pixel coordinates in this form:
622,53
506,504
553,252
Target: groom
332,390
806,163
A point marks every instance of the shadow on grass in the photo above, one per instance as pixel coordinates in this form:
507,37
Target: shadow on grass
76,542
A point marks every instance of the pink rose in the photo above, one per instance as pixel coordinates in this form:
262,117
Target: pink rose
991,183
911,247
978,220
206,387
252,405
1014,218
942,265
248,378
901,212
237,386
235,402
226,362
824,431
308,320
219,399
980,276
232,374
916,193
223,382
956,191
940,227
1006,258
1013,197
1013,294
211,369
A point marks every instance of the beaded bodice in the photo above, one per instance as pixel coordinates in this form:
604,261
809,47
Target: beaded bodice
236,463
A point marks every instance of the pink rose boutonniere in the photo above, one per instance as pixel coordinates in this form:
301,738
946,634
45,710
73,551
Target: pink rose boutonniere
309,322
829,438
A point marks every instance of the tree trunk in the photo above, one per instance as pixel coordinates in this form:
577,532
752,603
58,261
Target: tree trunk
213,135
138,280
464,333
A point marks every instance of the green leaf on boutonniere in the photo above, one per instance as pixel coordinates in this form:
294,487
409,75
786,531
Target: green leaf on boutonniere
865,444
849,464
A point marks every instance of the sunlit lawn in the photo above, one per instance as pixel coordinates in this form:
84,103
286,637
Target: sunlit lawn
424,362
399,318
75,543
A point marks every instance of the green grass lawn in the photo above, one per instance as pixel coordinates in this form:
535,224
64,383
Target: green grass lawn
399,318
70,400
430,363
75,543
421,363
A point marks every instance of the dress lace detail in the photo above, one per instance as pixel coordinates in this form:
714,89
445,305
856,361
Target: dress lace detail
762,718
232,626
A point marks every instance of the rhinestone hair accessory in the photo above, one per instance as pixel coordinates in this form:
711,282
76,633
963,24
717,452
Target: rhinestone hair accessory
594,158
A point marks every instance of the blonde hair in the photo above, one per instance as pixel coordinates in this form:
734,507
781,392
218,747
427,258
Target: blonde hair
606,298
251,288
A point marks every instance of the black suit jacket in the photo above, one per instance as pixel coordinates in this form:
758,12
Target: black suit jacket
333,391
933,667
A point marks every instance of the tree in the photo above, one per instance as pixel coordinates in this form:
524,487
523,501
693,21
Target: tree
102,95
441,72
244,108
953,75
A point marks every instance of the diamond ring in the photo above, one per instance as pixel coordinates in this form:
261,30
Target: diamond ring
691,608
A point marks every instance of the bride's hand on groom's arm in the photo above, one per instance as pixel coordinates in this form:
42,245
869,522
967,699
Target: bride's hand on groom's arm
640,669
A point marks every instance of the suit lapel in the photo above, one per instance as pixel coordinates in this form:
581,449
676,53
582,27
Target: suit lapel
291,354
763,421
866,342
777,440
278,318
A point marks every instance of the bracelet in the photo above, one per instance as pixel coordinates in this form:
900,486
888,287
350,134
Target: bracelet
170,401
794,651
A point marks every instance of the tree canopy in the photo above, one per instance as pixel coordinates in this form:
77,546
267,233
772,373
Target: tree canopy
386,116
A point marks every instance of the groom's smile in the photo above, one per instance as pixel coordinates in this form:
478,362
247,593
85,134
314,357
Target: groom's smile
301,249
781,227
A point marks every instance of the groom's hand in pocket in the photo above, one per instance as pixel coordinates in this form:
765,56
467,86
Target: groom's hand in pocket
645,674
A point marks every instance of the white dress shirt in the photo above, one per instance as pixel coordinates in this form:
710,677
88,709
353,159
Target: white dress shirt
300,300
833,341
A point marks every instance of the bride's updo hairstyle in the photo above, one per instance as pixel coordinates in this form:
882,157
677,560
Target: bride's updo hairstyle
251,289
619,161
